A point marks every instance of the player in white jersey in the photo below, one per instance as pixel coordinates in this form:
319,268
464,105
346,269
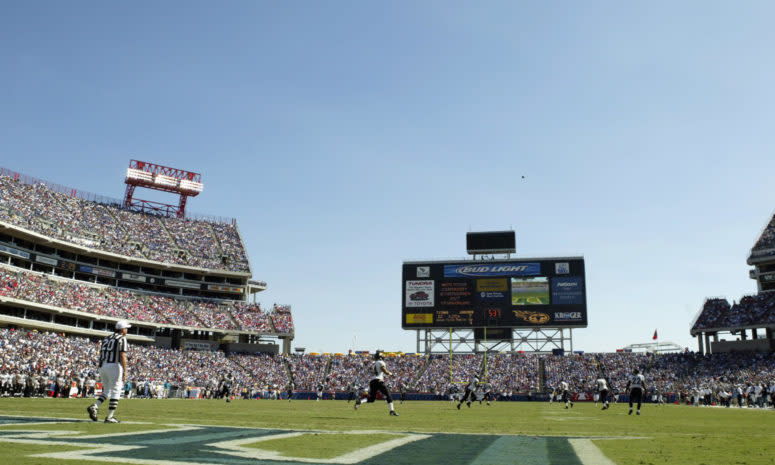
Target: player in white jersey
636,385
377,384
566,394
602,390
112,371
468,396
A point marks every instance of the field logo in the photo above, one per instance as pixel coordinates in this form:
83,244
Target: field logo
219,445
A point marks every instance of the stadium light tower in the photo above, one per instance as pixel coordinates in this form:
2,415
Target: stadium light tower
160,178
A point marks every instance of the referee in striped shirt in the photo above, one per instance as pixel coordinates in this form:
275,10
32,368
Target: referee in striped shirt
112,371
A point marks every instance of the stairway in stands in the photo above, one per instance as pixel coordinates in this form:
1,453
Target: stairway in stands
420,372
289,371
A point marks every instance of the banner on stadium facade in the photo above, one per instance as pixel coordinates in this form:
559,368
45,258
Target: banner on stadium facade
494,269
191,345
104,272
133,277
14,252
46,260
185,284
222,288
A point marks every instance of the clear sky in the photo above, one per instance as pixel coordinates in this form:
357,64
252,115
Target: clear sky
349,136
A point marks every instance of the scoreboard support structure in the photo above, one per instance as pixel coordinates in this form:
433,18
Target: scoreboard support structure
463,341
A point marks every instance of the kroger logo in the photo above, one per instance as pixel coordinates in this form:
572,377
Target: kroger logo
560,316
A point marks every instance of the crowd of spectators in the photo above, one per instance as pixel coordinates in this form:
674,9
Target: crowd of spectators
767,238
120,303
308,371
750,311
53,361
712,310
441,371
578,370
281,319
108,227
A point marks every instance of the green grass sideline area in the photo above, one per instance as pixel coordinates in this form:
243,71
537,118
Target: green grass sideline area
502,433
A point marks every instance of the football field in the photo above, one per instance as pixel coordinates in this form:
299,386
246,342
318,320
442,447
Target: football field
177,432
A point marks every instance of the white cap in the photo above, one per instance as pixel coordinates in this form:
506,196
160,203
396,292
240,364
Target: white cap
122,324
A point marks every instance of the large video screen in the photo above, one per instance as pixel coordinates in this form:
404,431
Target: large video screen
494,294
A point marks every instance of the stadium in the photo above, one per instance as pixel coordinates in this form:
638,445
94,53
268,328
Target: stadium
74,264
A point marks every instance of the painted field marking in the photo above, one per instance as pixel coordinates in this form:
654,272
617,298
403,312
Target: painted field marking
504,449
236,448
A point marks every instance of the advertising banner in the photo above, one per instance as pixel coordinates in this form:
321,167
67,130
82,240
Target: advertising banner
104,272
455,294
567,291
46,260
494,269
185,284
419,318
14,252
133,277
419,293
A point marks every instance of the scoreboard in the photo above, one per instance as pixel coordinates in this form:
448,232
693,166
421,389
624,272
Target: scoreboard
520,293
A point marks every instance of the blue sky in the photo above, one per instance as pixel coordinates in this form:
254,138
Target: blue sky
347,137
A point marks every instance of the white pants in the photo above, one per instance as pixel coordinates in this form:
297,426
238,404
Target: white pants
112,375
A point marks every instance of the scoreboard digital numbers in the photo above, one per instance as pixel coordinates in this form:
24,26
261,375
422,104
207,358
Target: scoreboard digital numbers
494,294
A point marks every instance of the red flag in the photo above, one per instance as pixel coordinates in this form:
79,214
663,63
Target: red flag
655,335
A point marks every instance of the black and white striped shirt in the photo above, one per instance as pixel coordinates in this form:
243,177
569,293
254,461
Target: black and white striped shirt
111,347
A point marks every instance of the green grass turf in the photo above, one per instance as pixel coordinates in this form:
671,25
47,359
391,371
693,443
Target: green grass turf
668,434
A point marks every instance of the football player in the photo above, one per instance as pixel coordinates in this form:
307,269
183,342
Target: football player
636,385
468,396
377,384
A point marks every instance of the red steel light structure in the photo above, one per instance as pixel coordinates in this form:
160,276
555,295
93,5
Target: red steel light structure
160,178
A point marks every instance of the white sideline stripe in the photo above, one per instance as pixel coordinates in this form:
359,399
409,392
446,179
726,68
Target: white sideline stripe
235,448
588,452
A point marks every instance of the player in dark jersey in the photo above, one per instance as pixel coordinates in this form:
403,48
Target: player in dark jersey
113,360
289,390
468,396
402,390
566,396
602,391
225,388
353,391
377,384
321,388
488,396
636,385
